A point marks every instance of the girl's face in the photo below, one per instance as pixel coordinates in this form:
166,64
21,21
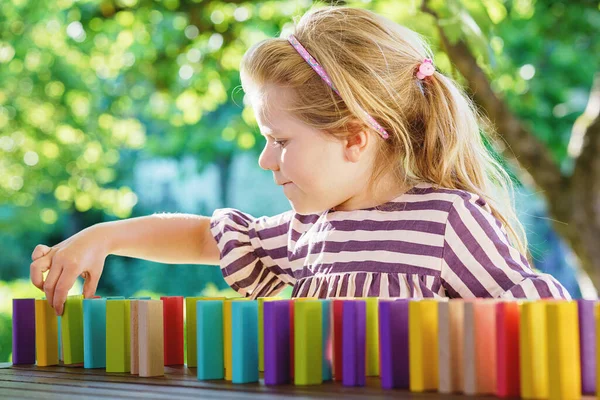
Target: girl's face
317,172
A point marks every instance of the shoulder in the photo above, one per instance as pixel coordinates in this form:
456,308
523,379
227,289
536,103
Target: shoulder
447,199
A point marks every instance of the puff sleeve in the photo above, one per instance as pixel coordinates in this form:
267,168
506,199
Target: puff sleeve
254,257
479,261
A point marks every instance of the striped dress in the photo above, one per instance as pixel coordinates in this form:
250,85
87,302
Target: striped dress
427,242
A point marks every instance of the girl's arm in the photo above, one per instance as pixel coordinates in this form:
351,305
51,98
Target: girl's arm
166,238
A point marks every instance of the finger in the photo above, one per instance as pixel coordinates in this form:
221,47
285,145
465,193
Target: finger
50,283
37,269
65,283
40,251
90,285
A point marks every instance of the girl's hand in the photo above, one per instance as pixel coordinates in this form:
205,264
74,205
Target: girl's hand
82,254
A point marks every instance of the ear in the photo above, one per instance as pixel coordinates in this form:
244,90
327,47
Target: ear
355,145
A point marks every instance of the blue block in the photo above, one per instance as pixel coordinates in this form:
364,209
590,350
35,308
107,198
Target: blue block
94,333
244,341
209,339
327,343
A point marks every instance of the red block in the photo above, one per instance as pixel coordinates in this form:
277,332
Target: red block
507,350
173,329
337,339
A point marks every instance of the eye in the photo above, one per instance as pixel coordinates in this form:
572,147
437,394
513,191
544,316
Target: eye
279,143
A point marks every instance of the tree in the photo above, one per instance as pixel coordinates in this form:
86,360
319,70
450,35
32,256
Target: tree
569,176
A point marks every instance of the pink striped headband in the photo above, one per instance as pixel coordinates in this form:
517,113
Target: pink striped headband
319,70
425,69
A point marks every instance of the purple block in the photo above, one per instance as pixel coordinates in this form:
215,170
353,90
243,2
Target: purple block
587,340
276,320
393,343
354,339
23,339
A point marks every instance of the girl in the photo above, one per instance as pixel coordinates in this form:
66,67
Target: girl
381,156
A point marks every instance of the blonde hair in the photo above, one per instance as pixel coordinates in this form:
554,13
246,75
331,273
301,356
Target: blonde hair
436,132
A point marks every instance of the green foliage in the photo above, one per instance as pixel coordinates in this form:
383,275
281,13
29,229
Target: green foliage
89,89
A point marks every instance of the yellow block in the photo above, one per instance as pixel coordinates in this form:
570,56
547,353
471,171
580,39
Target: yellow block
46,334
227,335
372,359
423,345
533,345
564,369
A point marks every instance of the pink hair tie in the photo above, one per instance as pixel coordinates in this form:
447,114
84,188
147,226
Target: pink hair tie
425,69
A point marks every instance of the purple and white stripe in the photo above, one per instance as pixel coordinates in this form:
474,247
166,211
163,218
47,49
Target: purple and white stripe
425,243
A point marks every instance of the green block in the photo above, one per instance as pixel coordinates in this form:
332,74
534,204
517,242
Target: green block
118,340
190,330
372,340
308,342
72,330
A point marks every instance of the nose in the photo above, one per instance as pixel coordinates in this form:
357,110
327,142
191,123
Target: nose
268,159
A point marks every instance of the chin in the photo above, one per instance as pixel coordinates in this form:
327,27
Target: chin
305,210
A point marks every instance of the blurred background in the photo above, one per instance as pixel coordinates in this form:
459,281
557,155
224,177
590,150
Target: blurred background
112,109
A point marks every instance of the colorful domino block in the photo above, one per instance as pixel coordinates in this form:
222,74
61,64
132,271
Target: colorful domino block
587,340
23,332
227,333
227,338
337,326
533,345
507,349
191,326
597,320
134,346
445,369
564,368
173,326
151,338
118,340
46,334
327,340
292,346
72,330
479,355
209,339
60,339
276,317
308,342
372,304
190,330
393,343
261,335
423,353
94,333
244,341
354,338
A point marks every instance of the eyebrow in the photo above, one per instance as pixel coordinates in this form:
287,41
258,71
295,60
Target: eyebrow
273,133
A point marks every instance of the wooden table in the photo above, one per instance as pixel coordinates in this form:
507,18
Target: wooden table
31,382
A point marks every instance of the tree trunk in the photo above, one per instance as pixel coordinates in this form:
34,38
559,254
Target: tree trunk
573,200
